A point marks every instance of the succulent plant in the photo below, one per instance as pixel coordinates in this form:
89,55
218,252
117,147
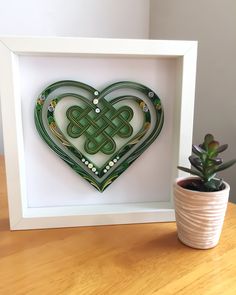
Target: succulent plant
206,163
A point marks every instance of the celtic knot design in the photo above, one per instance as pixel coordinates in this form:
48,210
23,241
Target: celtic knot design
100,128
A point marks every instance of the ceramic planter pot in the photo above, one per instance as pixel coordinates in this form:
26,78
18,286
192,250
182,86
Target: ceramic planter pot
199,215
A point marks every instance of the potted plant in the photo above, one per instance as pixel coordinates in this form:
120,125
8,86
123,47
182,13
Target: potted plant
201,201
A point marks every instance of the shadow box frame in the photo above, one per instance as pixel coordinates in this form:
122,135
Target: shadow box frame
24,217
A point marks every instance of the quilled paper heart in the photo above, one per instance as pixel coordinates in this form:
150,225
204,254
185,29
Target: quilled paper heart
98,134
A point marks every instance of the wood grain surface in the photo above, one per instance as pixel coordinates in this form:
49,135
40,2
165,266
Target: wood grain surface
123,259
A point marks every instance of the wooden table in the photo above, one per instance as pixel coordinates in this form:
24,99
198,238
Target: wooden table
123,259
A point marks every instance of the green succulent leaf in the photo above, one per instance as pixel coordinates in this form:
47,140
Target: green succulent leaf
222,148
195,160
198,150
213,145
207,139
216,161
225,165
196,163
211,176
191,171
212,148
213,185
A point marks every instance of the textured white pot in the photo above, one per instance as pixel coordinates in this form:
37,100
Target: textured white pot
199,215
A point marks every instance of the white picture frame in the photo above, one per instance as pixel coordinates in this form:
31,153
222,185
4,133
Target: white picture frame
24,217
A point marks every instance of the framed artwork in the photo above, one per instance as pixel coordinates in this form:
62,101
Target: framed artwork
94,128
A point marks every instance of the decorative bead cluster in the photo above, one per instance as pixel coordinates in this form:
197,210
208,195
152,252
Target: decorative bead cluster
144,107
111,164
95,102
150,94
90,165
94,169
52,105
40,100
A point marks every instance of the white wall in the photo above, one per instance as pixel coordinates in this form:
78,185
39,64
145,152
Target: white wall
83,18
213,24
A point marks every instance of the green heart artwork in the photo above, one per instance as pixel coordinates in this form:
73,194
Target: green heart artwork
98,133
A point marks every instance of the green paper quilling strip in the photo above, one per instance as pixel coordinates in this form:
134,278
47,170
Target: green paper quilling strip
99,122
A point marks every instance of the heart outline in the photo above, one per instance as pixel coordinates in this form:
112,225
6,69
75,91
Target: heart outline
101,182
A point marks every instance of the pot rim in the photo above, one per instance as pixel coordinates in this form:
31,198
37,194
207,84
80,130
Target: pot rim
177,180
